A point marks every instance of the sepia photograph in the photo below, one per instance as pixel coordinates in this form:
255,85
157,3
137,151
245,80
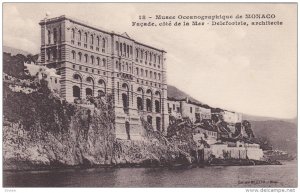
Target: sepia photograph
149,95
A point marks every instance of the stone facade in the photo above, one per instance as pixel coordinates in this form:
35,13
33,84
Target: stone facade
185,108
174,108
92,61
231,117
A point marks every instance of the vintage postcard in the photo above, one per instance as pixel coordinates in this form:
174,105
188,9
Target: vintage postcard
199,95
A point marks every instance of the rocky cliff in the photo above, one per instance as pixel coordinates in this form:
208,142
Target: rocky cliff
42,131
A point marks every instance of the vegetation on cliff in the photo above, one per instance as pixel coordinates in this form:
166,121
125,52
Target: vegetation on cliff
43,131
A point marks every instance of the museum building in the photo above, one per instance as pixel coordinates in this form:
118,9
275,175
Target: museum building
92,61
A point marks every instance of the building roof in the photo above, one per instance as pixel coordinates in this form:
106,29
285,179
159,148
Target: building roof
86,24
189,102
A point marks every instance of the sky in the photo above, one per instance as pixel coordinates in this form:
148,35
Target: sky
251,70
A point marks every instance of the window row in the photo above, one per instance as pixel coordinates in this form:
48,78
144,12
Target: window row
88,59
125,67
54,36
88,69
124,49
147,56
53,54
146,82
148,74
89,38
92,39
140,104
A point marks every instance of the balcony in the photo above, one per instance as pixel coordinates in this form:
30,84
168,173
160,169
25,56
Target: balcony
125,76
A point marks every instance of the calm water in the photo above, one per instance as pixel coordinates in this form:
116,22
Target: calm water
230,176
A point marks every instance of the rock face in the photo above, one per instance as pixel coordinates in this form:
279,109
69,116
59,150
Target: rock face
42,131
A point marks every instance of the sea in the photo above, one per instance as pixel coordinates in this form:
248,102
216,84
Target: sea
213,176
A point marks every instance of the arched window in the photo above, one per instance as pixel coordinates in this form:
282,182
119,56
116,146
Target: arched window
137,53
73,55
49,37
154,58
98,41
139,103
142,54
85,37
125,102
121,48
103,43
89,92
150,57
86,58
117,45
137,71
127,50
101,93
146,73
149,119
79,35
90,80
92,39
98,61
73,34
146,56
150,74
154,75
102,84
76,92
142,72
103,62
158,123
124,47
158,59
79,56
158,76
126,66
149,105
77,77
92,59
117,65
130,50
157,106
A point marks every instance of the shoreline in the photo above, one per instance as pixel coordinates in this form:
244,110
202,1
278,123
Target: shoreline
217,162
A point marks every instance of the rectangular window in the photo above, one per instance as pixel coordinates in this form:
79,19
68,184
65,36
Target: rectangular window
191,109
173,106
